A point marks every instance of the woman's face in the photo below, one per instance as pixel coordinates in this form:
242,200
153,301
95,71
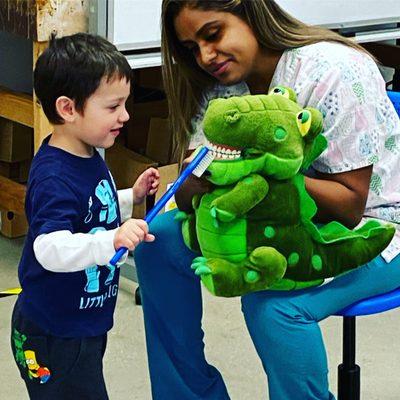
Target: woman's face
222,44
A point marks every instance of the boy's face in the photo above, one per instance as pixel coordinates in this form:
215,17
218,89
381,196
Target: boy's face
104,115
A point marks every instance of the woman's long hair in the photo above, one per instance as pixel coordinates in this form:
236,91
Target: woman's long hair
185,81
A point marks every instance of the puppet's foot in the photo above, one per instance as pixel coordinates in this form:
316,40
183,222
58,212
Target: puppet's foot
268,263
200,267
228,279
218,276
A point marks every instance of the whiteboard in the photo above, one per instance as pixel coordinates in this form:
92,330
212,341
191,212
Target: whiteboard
343,13
134,24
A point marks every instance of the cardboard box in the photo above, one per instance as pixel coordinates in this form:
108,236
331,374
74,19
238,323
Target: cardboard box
159,141
16,171
16,141
149,77
139,123
12,196
168,175
13,225
126,165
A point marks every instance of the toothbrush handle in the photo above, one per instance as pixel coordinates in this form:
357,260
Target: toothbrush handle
150,216
153,212
165,197
117,256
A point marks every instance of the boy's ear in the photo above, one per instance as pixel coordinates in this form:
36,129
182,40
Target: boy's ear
66,108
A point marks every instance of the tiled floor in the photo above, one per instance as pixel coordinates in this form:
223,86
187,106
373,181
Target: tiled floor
227,345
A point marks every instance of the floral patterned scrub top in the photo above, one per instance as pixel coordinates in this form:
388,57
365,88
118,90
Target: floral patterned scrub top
360,122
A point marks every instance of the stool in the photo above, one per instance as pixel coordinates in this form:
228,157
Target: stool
349,371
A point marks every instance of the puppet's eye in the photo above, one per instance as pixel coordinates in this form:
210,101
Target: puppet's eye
303,120
279,90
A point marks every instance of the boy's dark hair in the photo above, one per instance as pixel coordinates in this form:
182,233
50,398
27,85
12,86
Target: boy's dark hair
73,66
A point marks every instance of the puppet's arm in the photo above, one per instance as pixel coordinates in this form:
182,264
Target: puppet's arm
245,195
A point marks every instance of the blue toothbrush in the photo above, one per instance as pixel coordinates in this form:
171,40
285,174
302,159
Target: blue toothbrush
196,167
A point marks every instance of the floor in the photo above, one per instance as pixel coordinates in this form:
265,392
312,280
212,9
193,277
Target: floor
228,346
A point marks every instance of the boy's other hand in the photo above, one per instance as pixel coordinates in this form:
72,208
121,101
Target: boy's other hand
131,233
146,184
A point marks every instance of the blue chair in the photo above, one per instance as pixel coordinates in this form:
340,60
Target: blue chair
349,371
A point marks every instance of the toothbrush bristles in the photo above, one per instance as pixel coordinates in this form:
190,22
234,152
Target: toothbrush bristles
204,164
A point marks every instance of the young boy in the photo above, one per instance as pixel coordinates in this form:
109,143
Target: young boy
60,320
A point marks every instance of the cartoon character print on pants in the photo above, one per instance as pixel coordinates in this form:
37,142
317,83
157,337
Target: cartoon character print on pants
93,273
107,198
34,369
19,339
27,359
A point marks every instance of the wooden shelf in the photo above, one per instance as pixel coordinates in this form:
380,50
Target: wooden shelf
35,20
16,107
12,196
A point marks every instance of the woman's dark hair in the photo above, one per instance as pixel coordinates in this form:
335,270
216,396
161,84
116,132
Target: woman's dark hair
73,66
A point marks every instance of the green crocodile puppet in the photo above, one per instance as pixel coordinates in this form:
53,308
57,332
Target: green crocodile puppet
254,229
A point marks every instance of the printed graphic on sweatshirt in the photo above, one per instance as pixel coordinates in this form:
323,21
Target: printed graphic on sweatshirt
93,283
107,198
89,215
93,273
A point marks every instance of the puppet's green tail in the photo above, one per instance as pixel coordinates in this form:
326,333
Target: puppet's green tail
338,249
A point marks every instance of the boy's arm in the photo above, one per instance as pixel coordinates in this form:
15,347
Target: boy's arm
63,251
126,201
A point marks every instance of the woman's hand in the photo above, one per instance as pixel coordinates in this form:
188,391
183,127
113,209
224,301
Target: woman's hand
189,188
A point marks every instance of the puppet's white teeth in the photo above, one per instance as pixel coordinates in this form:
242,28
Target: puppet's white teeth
220,152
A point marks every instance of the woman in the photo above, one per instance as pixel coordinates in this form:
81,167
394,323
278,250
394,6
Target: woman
235,47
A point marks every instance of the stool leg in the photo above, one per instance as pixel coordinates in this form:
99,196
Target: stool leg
138,297
349,371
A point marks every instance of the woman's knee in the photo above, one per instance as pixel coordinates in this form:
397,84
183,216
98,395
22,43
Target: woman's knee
165,228
269,311
384,275
166,231
167,252
277,326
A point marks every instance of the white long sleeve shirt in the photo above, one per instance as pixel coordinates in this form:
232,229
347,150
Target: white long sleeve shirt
63,251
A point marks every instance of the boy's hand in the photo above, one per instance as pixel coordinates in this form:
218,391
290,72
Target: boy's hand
131,233
146,184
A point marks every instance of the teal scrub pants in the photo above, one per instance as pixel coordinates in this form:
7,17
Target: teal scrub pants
283,325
